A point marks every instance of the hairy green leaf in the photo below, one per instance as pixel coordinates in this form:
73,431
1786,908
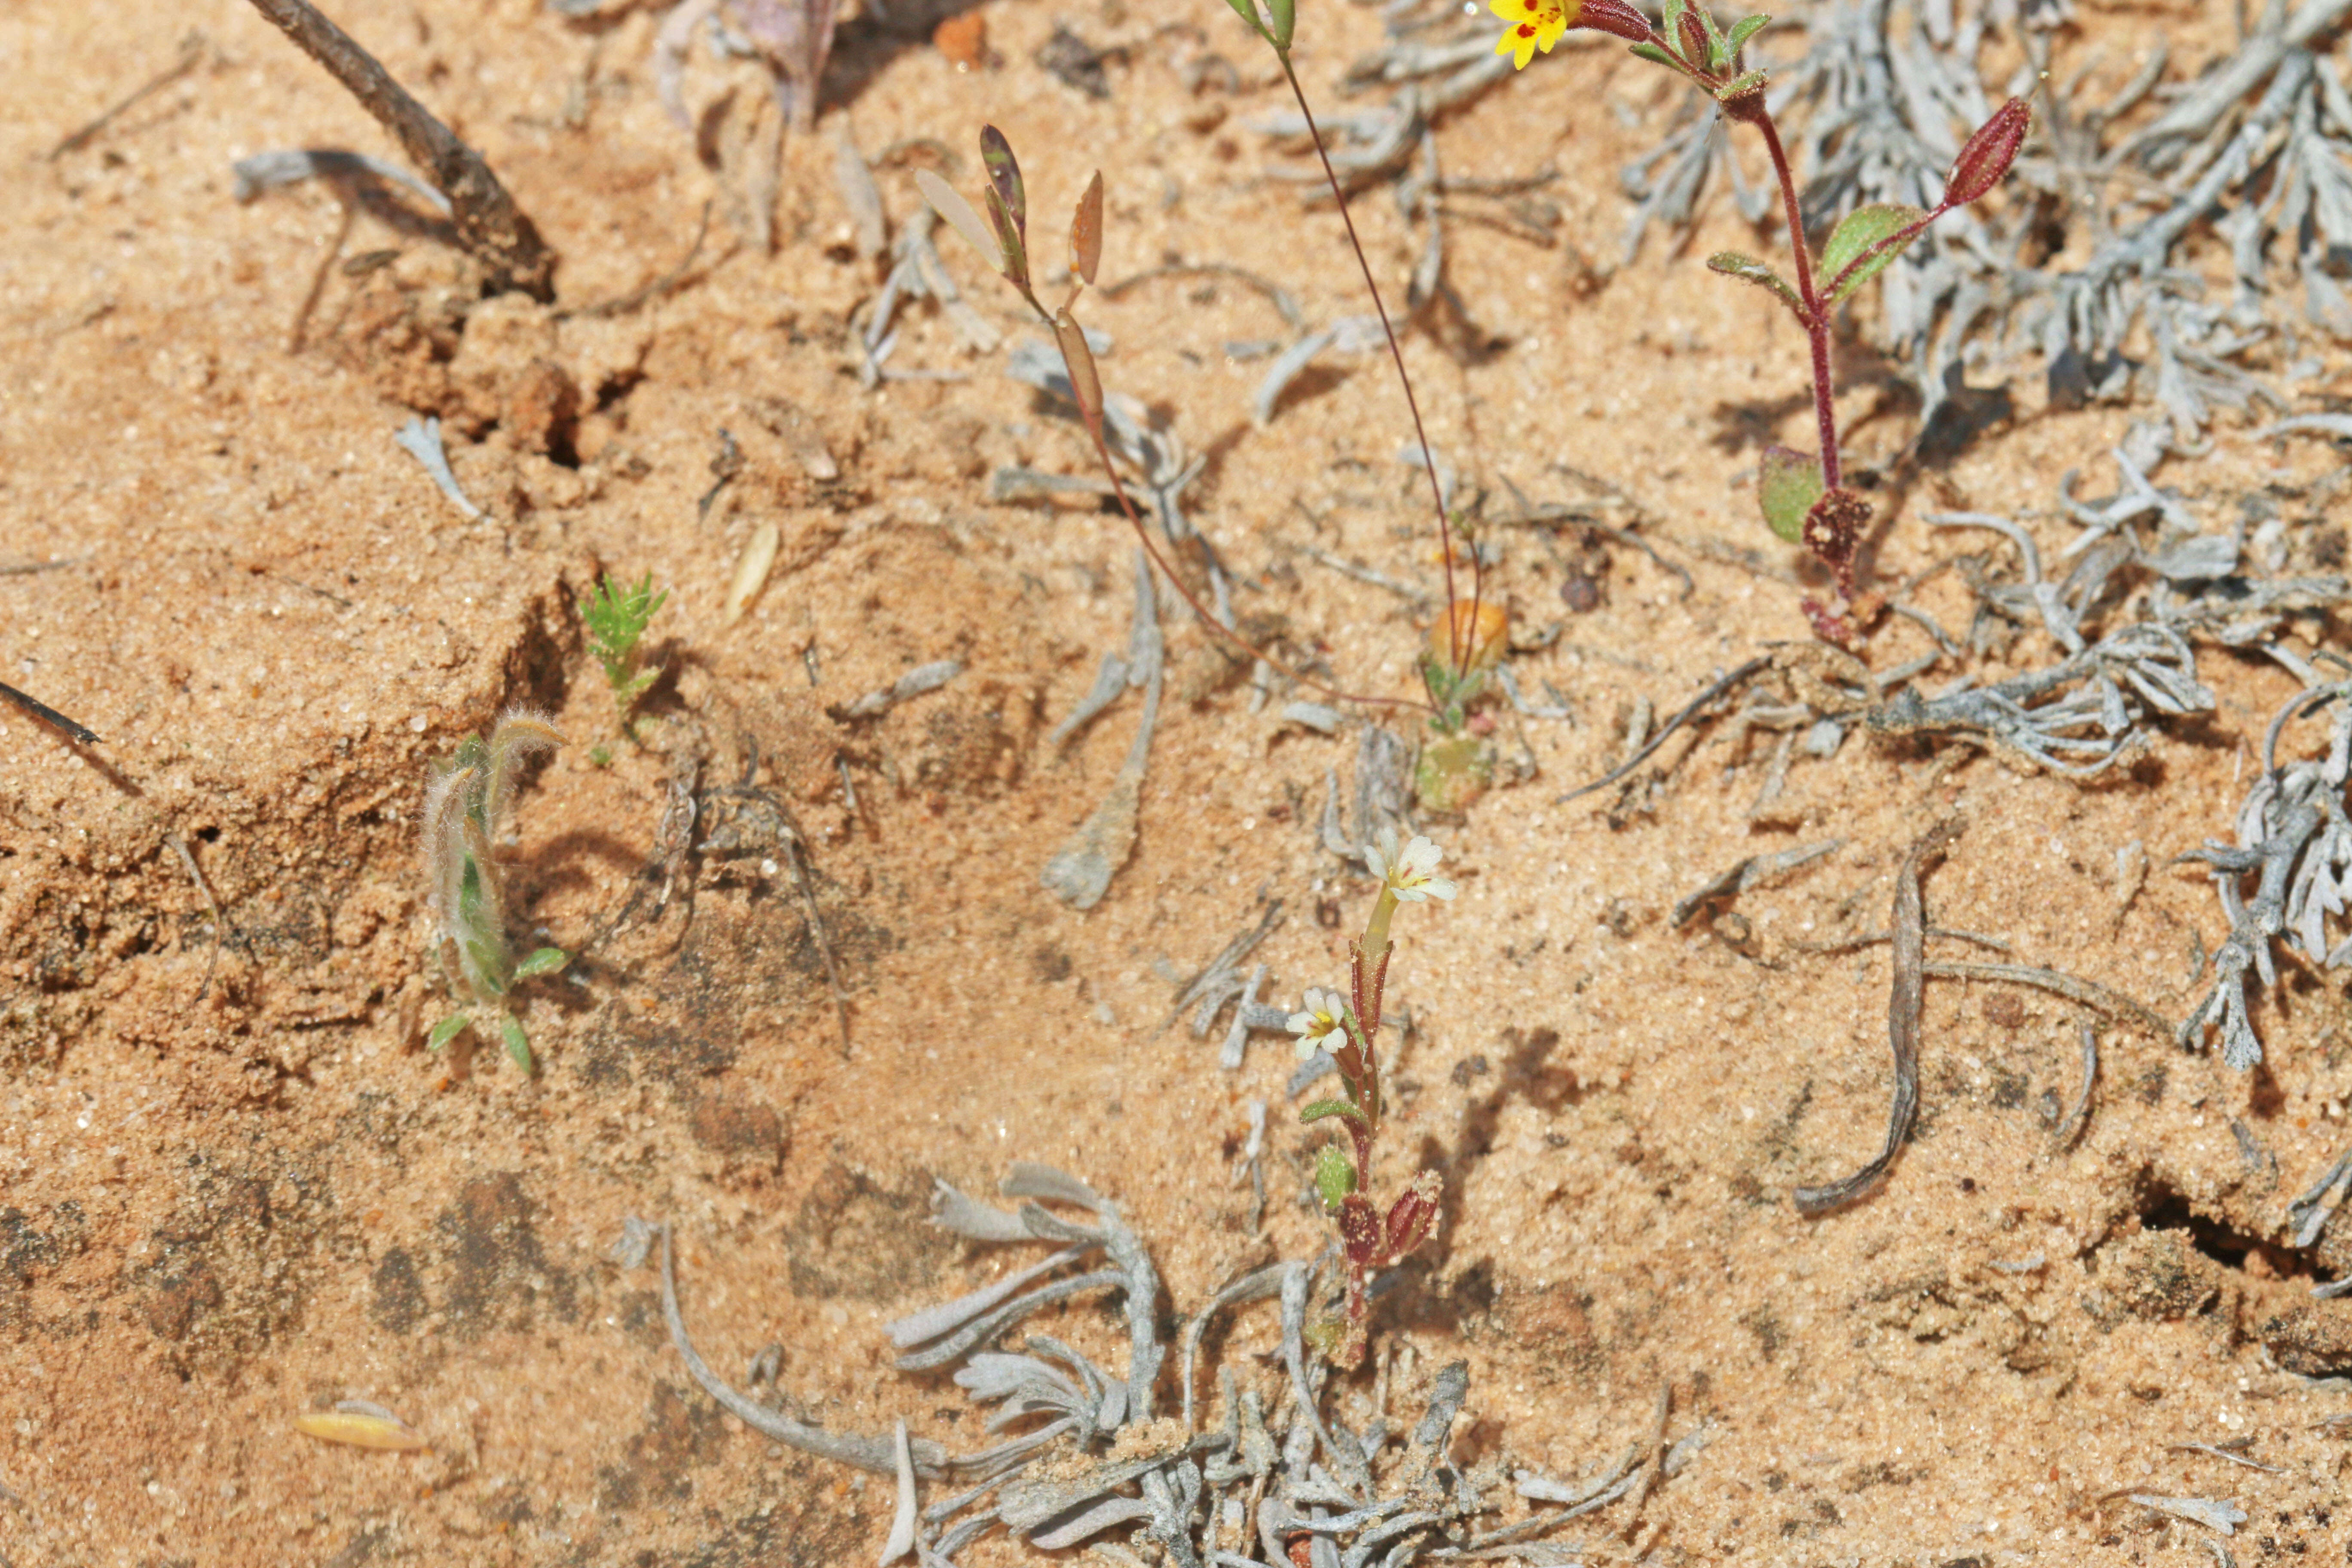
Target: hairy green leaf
518,1043
447,1030
1748,269
1739,87
1863,244
1653,53
1786,486
1325,1108
1719,58
1741,32
543,961
1334,1175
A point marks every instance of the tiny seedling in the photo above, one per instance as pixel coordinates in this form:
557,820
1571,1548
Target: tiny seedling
469,793
1804,495
1370,1237
617,617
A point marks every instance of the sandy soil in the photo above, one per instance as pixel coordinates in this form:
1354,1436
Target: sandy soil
232,1189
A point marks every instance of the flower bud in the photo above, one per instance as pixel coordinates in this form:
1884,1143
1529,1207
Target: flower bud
1479,643
1989,153
1693,33
1611,16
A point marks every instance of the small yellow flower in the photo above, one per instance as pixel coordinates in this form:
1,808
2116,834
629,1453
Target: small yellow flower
1532,24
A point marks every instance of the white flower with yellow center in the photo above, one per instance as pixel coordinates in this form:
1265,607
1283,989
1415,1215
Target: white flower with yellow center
1409,873
1321,1028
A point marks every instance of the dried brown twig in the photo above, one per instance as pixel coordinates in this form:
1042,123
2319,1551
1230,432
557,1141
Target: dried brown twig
50,716
1910,929
489,226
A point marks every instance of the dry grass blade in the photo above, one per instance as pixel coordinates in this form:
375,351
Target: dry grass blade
48,715
1697,706
2112,1003
212,965
1910,935
2079,1115
192,50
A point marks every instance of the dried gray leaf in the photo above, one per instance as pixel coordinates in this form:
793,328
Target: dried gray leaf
1253,1286
1757,871
1110,682
2309,1213
2078,1114
877,1455
914,683
1318,717
952,1210
1079,873
1090,1521
2212,1513
260,172
901,1539
421,439
859,195
932,1322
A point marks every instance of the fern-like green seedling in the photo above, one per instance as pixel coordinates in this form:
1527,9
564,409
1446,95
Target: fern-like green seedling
470,792
616,617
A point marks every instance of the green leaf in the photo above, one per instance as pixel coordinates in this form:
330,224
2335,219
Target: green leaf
1284,15
1748,269
1786,486
1326,1107
1335,1175
1739,87
1853,255
1248,13
486,966
1717,57
545,961
447,1030
1737,39
1653,52
518,1043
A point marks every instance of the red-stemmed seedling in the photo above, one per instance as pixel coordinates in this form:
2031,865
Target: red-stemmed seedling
1804,495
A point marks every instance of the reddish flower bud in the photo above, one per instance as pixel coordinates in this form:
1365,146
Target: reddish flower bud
1989,153
1359,1231
1413,1217
1611,16
1693,39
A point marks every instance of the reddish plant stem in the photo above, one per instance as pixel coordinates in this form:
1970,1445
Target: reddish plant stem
1457,640
1817,315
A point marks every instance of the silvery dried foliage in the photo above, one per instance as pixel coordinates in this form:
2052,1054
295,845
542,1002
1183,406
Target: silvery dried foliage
2285,879
2257,152
2079,717
1064,1469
